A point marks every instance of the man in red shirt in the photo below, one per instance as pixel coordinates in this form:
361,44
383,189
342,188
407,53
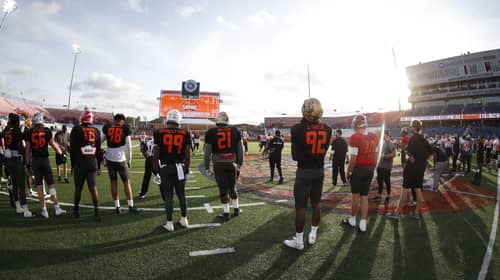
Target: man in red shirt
360,170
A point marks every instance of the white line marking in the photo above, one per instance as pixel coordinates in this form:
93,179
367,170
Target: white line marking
493,234
193,188
192,181
281,200
204,225
212,252
208,208
146,209
195,196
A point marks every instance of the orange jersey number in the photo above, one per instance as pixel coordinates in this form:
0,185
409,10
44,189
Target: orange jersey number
89,135
8,138
316,139
115,135
171,140
223,140
38,139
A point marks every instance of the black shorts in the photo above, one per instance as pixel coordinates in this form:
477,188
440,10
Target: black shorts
413,176
60,159
361,180
403,158
225,176
42,170
117,167
170,180
308,186
86,170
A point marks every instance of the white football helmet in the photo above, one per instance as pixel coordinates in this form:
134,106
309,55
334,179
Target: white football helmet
174,116
37,118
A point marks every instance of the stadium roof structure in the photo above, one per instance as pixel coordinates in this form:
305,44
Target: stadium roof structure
67,116
8,106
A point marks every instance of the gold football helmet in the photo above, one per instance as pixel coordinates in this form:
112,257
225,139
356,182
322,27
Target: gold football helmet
312,110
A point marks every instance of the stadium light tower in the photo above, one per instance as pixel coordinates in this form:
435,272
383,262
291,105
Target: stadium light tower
9,6
76,50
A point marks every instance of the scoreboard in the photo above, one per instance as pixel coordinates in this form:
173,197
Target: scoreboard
206,106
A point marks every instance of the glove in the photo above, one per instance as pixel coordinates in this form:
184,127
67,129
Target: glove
129,164
209,173
186,170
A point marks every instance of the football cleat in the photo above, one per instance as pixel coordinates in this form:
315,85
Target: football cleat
133,209
118,210
28,214
236,212
312,238
184,222
45,213
19,209
59,211
293,243
169,226
224,216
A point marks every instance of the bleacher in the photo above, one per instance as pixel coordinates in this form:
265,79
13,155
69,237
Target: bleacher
452,110
492,108
474,108
70,116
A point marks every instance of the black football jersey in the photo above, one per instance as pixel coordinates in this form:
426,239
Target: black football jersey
224,139
276,146
115,135
12,137
84,136
39,141
172,143
310,143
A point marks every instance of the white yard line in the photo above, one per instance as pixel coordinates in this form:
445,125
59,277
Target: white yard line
489,251
204,225
212,252
145,209
195,196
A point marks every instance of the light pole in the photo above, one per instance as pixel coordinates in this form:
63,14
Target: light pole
76,50
9,6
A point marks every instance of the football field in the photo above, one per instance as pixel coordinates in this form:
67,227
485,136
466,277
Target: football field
442,245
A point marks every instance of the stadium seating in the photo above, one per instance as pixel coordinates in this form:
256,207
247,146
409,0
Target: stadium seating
475,108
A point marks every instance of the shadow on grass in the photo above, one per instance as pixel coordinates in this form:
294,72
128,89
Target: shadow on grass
247,247
47,257
358,262
463,238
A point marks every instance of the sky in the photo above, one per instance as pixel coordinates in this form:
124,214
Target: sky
255,53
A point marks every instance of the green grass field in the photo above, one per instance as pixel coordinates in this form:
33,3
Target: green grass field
128,246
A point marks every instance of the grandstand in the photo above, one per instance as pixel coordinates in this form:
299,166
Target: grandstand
462,90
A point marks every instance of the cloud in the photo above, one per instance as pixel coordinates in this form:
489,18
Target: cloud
291,76
138,6
190,10
37,19
108,84
21,70
260,18
3,82
225,23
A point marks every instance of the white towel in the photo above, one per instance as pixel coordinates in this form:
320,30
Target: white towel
180,171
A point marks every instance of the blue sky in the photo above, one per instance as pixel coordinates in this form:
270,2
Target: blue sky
254,52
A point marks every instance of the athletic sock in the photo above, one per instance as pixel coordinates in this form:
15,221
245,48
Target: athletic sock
236,203
56,206
130,203
314,230
362,224
226,207
117,203
299,236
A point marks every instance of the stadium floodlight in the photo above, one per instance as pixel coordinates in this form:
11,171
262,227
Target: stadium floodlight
76,50
9,6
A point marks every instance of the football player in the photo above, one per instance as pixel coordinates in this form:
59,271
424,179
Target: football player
62,140
360,170
14,150
38,139
224,147
147,152
171,157
275,147
310,141
418,151
119,159
86,158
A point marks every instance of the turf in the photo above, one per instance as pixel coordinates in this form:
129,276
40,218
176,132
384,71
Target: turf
129,246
